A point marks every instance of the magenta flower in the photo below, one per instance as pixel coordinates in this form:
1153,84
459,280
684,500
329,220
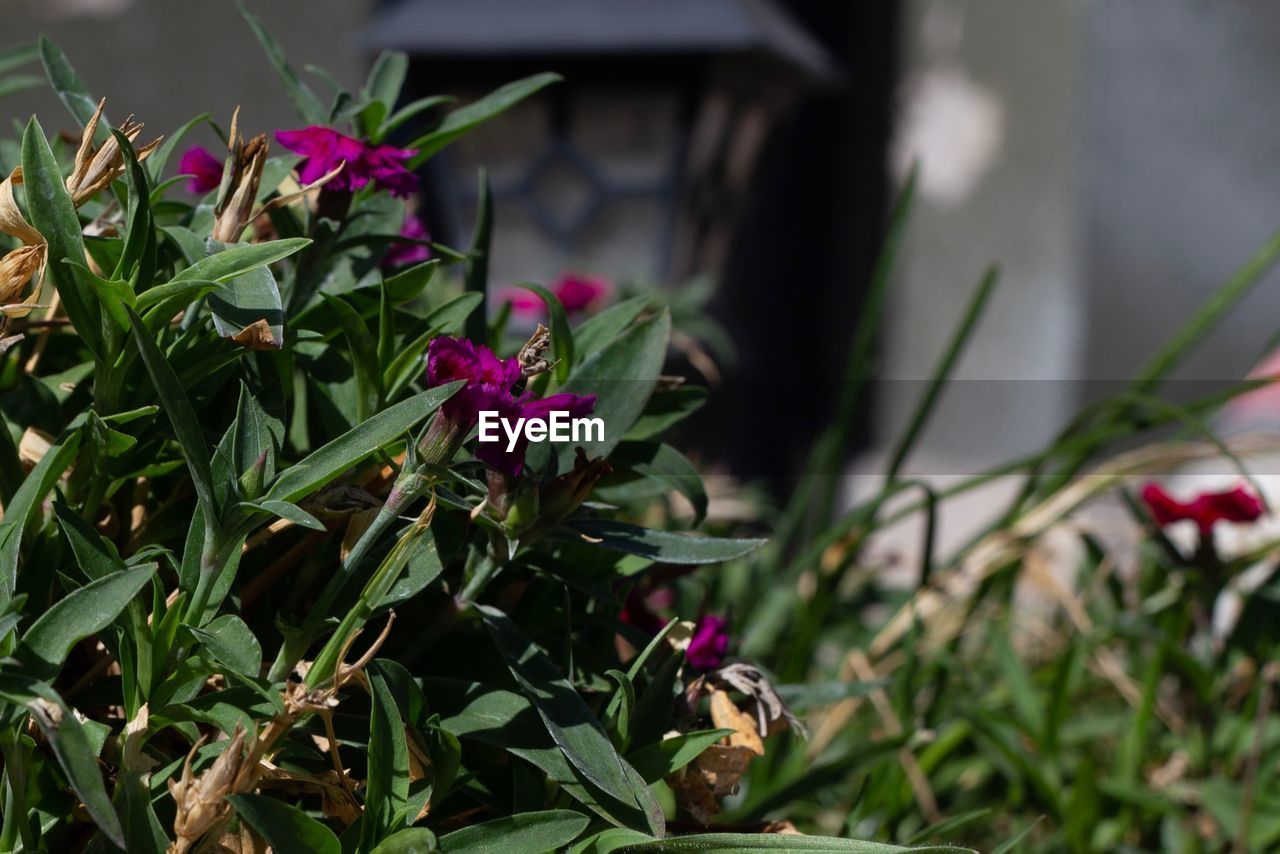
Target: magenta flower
489,379
495,454
404,254
1206,509
489,383
578,292
324,149
205,169
710,642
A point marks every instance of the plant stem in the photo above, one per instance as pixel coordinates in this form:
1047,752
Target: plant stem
16,794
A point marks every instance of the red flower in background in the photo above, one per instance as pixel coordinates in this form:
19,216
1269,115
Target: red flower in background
1206,509
576,292
205,169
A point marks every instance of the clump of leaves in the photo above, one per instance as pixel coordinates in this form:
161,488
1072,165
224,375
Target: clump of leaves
255,588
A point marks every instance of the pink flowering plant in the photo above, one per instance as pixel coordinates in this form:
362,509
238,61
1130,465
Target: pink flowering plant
285,564
262,580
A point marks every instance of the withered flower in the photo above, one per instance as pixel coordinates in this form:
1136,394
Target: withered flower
95,169
201,801
24,264
241,177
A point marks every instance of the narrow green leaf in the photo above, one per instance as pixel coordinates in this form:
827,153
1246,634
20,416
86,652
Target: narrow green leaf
664,546
655,761
387,783
75,754
26,501
54,216
326,463
467,118
173,398
95,554
778,842
78,615
287,829
475,277
364,355
285,510
160,157
411,840
238,259
68,86
622,377
561,334
673,470
594,333
550,830
571,725
231,642
304,100
18,56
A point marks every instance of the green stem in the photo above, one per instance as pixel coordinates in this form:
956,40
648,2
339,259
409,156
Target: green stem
16,794
409,487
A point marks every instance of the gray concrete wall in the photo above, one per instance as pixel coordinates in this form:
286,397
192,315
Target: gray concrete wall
1182,177
992,109
168,60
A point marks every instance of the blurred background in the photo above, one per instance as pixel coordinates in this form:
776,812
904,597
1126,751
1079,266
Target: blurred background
1115,159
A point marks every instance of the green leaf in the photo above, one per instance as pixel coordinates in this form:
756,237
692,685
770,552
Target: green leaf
411,840
667,409
673,470
561,334
18,56
475,275
287,829
326,463
54,216
622,377
78,615
596,332
285,510
387,784
71,747
113,294
304,100
231,642
138,256
776,842
466,118
571,725
657,760
236,260
186,427
606,841
19,83
95,554
68,86
384,83
247,300
664,546
364,356
550,830
26,501
160,157
416,108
